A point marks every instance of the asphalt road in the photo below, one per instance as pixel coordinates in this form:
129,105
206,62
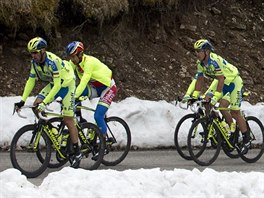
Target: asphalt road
164,159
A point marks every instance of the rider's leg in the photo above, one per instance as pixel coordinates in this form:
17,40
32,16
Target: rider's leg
106,97
235,99
99,115
87,94
68,118
240,120
228,117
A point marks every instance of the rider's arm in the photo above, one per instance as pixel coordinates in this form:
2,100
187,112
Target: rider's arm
210,91
191,86
219,88
87,73
200,80
29,85
220,84
198,86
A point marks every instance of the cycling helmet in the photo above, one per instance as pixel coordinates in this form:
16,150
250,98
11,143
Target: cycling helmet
74,48
36,44
203,44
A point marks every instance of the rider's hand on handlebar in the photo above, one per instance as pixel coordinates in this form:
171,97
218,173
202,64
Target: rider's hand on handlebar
186,98
18,105
213,101
41,106
80,99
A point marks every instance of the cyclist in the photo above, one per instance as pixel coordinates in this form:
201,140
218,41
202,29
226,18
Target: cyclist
222,103
60,77
95,81
227,83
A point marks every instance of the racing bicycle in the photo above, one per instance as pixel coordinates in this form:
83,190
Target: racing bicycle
33,145
207,135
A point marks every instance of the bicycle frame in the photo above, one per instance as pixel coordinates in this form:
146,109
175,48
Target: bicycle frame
52,136
214,119
55,141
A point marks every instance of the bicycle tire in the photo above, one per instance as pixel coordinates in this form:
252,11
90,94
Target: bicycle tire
120,132
202,151
96,147
19,158
180,149
54,161
256,130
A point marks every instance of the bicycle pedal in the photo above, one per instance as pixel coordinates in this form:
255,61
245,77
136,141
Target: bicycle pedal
85,150
110,141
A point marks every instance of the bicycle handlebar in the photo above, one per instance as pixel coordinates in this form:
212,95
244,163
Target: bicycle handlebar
182,107
199,104
42,116
24,107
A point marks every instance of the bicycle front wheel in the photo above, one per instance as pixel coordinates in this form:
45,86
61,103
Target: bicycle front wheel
24,156
204,142
118,141
257,144
181,134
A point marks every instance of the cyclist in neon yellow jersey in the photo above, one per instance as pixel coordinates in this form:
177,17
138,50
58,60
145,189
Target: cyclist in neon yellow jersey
59,75
95,81
224,103
229,83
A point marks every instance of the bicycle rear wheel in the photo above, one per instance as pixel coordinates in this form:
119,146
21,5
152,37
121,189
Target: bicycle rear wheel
257,144
181,134
118,141
24,157
204,143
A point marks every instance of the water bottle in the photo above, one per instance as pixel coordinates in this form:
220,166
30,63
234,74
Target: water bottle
226,126
65,135
233,127
55,131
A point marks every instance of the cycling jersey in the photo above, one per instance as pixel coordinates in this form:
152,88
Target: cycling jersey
233,84
217,66
53,70
96,81
93,71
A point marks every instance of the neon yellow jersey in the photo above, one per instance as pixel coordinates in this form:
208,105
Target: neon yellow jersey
91,69
54,70
217,66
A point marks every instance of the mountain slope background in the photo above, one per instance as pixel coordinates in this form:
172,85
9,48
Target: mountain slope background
147,43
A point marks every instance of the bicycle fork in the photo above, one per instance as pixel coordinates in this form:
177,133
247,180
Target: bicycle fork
34,142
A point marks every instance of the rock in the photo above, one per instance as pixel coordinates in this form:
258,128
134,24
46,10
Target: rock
215,11
192,28
23,36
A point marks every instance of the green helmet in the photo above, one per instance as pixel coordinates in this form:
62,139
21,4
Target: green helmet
36,44
203,44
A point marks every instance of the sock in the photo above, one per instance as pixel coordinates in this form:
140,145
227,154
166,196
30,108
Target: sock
246,136
79,115
76,148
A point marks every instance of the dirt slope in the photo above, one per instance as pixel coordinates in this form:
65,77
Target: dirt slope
150,49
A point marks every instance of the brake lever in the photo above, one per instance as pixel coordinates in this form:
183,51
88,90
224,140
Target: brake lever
178,99
14,110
